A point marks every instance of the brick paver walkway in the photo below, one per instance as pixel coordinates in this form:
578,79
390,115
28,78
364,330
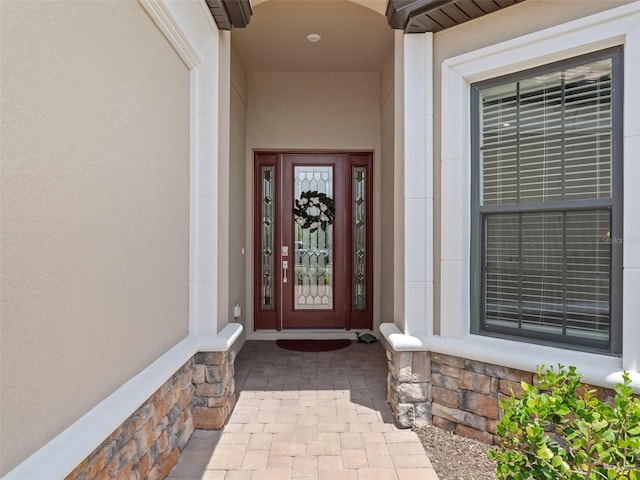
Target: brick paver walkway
307,416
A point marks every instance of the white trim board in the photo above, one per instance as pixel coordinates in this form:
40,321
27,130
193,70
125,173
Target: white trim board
159,12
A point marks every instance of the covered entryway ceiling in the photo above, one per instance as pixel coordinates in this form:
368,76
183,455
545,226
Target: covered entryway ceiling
354,38
412,16
419,16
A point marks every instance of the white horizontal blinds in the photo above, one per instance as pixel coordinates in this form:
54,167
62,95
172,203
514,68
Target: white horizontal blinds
545,157
502,270
499,145
548,272
588,273
588,131
540,134
542,237
547,138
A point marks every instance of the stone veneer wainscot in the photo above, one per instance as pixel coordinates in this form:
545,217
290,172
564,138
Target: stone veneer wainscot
454,393
200,395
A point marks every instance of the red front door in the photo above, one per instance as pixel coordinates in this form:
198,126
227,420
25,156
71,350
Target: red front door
313,241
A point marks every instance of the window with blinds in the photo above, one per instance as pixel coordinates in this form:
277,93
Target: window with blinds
547,203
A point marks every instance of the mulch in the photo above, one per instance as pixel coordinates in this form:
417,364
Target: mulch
455,457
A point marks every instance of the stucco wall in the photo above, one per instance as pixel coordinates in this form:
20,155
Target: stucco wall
238,187
509,23
95,207
317,110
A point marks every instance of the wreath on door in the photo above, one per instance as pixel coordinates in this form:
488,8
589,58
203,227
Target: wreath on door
314,210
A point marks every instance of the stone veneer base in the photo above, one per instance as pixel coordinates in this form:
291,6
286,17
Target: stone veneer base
200,395
453,393
215,393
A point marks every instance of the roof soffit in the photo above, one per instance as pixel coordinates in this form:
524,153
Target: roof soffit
419,16
230,14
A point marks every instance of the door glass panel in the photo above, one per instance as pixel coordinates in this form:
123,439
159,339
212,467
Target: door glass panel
313,238
267,300
359,237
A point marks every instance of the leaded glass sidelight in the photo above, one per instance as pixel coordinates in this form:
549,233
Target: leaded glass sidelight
267,238
313,244
359,205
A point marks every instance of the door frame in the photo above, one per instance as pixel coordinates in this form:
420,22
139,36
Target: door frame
271,319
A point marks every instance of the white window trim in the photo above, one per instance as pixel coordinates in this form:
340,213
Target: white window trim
619,26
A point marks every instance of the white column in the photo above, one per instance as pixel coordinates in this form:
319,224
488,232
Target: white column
223,309
418,184
204,193
398,181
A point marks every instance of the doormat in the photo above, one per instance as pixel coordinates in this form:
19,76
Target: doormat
313,345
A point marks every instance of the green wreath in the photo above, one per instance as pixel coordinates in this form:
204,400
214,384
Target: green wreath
311,202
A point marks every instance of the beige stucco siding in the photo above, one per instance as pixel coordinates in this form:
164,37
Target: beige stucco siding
521,19
238,189
316,110
95,210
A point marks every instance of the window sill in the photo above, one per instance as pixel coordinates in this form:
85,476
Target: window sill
597,369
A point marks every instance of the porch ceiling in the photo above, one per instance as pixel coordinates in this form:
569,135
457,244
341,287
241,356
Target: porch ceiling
355,34
412,16
419,16
355,38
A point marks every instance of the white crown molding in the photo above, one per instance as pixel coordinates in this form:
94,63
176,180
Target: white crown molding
167,24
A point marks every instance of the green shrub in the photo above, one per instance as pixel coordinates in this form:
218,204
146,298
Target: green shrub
559,430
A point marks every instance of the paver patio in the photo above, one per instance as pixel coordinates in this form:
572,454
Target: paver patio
309,416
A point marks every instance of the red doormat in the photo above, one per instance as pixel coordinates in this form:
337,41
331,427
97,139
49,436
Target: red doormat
313,345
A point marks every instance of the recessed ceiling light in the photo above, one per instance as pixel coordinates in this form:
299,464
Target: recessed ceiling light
314,37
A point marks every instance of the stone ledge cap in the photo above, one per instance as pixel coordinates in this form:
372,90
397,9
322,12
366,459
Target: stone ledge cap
401,342
597,369
222,341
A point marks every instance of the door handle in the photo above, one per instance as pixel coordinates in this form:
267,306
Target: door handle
285,266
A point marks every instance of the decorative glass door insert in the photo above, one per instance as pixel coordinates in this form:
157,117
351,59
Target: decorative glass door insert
360,225
313,232
267,211
313,241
